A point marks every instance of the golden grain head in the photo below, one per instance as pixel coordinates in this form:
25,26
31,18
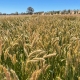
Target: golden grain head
50,55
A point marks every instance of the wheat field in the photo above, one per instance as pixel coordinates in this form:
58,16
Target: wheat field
40,47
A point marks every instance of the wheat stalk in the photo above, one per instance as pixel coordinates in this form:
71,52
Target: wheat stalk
0,47
7,73
50,55
36,75
34,53
39,59
14,75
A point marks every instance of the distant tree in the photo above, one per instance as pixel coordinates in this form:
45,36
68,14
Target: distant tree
16,13
0,13
30,10
51,12
57,12
69,10
4,13
64,11
11,13
75,11
23,13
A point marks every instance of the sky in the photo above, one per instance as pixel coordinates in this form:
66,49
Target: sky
12,6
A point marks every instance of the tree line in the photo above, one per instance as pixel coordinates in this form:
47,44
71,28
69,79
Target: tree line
30,11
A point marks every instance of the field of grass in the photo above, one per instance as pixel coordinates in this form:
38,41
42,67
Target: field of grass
40,48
